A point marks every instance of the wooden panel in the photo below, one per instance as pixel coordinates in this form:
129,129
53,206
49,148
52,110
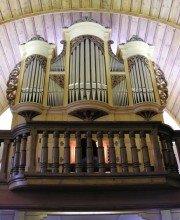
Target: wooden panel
146,7
115,31
25,6
36,6
96,16
175,11
166,46
158,39
106,19
46,5
50,29
58,31
15,8
21,31
11,32
133,27
86,4
123,36
39,26
136,5
5,9
56,4
107,4
96,3
165,9
4,38
75,4
30,27
66,4
155,8
126,5
172,54
75,17
142,29
116,5
67,17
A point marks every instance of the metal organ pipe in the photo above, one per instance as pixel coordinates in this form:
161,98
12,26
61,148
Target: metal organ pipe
33,80
87,72
141,82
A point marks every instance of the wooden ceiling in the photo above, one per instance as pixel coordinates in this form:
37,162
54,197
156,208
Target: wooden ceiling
156,21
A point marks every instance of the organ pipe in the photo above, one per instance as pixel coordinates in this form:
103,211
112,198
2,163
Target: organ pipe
33,80
87,75
141,82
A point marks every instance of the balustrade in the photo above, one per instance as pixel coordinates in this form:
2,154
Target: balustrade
129,143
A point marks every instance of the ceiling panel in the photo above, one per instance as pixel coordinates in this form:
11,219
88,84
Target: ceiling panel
156,21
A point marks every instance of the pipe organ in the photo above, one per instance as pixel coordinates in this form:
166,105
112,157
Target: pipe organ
33,79
87,75
87,80
141,82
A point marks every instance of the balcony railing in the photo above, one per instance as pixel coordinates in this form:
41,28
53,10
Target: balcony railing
81,154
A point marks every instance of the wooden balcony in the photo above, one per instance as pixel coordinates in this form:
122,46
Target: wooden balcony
89,166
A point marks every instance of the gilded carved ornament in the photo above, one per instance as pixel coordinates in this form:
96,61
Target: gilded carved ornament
12,84
161,83
76,41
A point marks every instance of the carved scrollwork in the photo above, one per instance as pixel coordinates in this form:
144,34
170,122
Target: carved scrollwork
37,37
12,84
116,79
59,79
85,19
133,59
135,38
42,60
76,41
161,83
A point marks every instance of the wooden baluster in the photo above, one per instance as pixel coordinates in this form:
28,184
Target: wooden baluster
22,162
165,153
101,160
89,153
158,165
32,150
134,152
12,160
145,152
112,153
44,152
55,153
67,152
173,162
16,156
123,153
78,153
177,141
3,170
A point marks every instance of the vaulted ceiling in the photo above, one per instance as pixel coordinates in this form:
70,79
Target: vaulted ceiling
156,21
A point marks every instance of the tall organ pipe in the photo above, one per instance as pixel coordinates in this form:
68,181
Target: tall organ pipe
87,75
